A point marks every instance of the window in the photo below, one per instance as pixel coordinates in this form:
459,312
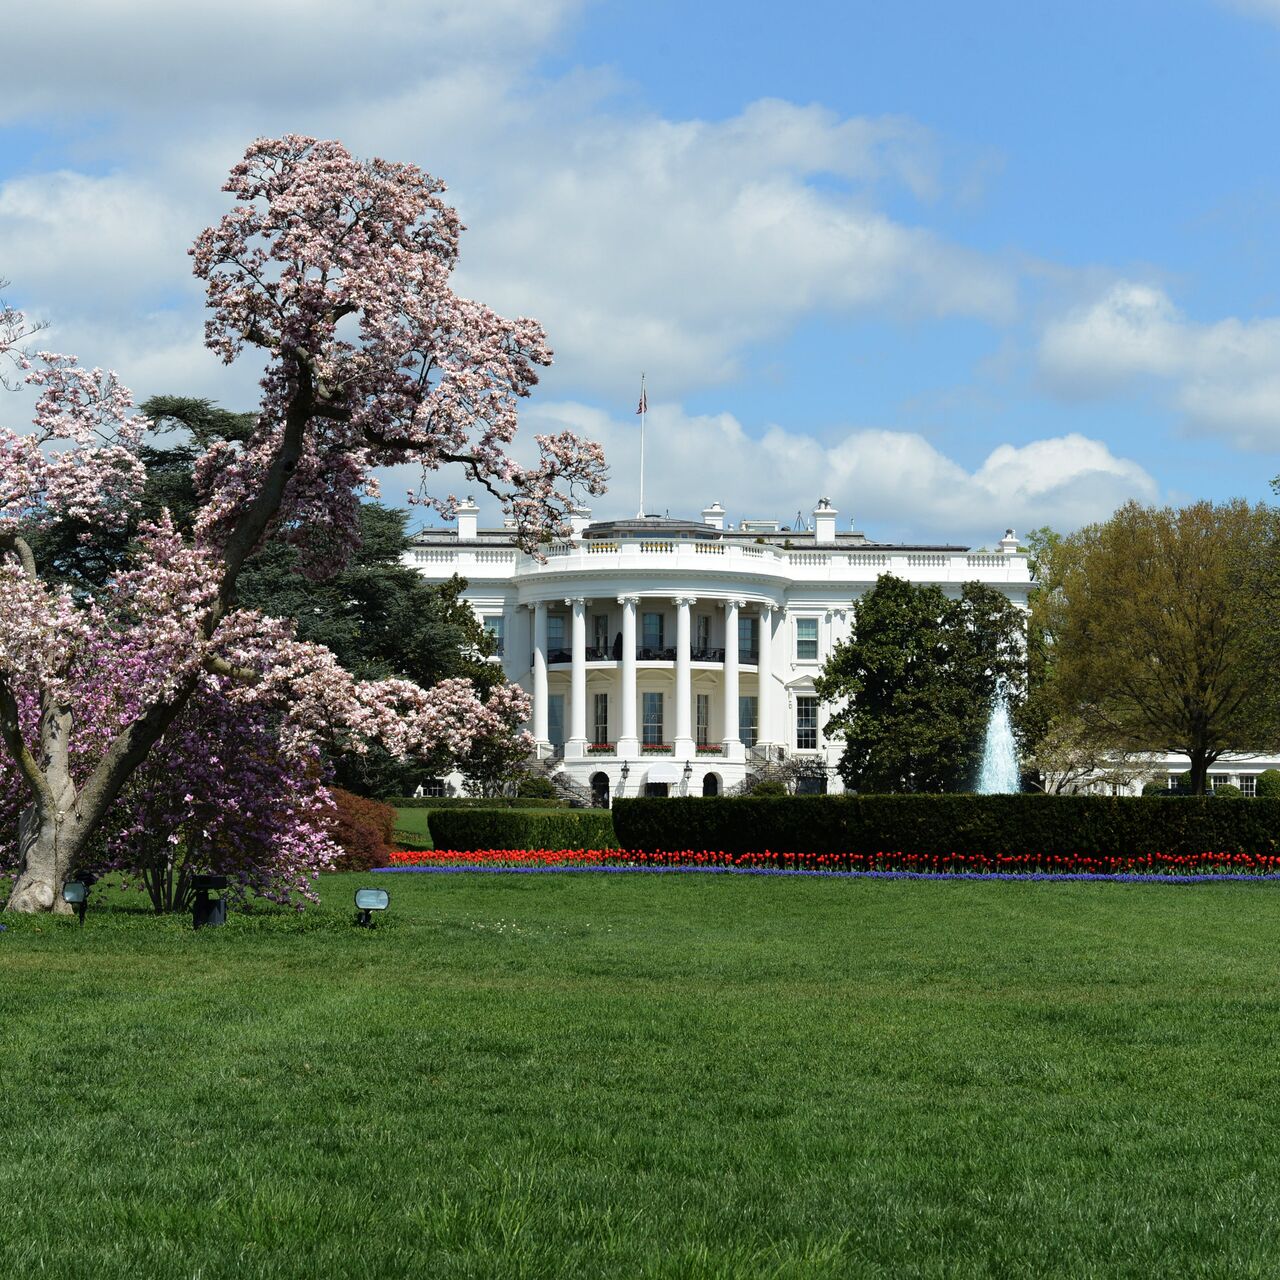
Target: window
704,719
434,787
747,724
496,626
811,784
807,639
1249,784
748,637
651,711
651,631
703,640
600,633
656,790
600,717
555,631
806,724
555,719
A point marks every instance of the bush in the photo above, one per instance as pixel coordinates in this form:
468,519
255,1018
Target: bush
1227,791
536,786
363,828
513,829
1156,788
1269,784
929,825
474,802
769,787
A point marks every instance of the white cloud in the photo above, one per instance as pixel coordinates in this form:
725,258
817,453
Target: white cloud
1268,9
895,486
1224,377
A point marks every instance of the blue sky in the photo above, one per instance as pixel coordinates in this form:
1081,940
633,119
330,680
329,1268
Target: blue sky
958,267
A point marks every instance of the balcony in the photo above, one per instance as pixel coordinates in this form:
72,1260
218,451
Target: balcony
564,657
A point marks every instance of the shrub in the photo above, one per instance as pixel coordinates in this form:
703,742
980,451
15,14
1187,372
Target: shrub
535,786
1156,788
363,829
1227,791
769,787
474,802
1269,784
928,825
516,829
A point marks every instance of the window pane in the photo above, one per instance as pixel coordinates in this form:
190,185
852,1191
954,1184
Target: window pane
495,625
555,719
747,705
600,706
806,638
748,637
704,718
651,631
600,632
703,638
555,631
651,711
806,724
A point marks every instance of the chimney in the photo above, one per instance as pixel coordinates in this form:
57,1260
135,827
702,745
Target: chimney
468,517
713,515
579,518
824,521
1009,543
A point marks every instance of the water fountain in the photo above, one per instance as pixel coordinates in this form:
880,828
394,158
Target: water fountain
999,774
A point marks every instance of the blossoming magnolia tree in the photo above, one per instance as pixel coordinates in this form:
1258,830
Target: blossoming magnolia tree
339,272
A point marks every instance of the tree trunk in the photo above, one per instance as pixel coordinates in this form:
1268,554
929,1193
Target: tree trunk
1199,772
48,848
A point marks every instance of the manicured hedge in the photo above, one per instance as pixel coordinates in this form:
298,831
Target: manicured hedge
941,824
474,802
521,829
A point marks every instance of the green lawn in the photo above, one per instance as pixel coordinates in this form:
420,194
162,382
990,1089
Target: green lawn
627,1076
411,824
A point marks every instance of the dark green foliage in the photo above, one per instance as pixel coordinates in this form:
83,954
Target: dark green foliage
1228,791
1269,784
917,680
941,824
1155,788
769,787
517,829
476,802
536,787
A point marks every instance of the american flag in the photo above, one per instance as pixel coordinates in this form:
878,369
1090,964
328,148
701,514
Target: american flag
643,406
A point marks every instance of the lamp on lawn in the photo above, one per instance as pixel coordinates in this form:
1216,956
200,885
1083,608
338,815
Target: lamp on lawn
206,910
368,901
76,894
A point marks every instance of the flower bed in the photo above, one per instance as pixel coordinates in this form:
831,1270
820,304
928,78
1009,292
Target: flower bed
1153,866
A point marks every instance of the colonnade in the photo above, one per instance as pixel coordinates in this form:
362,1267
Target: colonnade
628,740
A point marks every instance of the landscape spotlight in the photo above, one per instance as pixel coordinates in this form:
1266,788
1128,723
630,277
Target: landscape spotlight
76,893
206,911
368,901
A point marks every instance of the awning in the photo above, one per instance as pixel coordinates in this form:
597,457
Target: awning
665,771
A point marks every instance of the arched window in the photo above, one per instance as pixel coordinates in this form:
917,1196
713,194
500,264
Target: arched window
710,785
600,790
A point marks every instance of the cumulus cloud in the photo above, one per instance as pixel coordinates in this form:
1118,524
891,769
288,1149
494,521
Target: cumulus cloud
1224,377
896,486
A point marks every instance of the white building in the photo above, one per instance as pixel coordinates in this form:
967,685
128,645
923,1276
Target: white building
670,656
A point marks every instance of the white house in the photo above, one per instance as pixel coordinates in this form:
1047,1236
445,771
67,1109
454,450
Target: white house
670,656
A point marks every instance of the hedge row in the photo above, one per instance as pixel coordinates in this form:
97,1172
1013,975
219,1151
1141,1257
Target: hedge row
937,825
473,802
521,829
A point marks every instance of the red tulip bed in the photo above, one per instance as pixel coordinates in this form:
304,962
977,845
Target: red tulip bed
1165,869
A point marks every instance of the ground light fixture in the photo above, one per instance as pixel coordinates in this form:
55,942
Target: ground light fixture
368,901
206,910
76,894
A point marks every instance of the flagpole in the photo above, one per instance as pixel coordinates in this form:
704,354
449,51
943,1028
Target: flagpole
644,406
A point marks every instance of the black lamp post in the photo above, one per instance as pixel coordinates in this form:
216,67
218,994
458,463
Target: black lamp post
76,894
206,910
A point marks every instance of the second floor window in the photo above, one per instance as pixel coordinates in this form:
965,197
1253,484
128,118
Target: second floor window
748,638
703,638
704,719
747,713
555,631
651,631
807,639
600,724
495,625
600,632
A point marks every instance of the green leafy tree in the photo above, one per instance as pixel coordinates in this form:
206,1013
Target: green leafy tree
915,683
1159,643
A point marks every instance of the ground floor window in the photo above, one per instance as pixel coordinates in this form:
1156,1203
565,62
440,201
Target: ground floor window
555,719
747,719
806,724
433,787
651,714
1218,780
656,789
600,790
704,718
811,784
1249,784
710,785
600,717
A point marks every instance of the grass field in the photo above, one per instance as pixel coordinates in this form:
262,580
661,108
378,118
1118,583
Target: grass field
411,824
627,1076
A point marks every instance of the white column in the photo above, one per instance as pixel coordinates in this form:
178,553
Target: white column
764,694
732,744
576,744
683,737
540,674
628,745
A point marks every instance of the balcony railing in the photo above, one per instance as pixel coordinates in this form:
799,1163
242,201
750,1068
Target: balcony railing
647,654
